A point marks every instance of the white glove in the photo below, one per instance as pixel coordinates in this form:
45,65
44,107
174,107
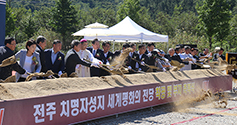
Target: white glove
95,65
149,54
129,67
142,63
107,63
60,73
50,77
164,69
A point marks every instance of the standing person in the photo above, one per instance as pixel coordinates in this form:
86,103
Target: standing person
108,56
140,59
186,56
29,60
72,58
205,54
98,54
219,54
6,52
156,56
194,52
151,54
81,70
150,48
164,62
133,46
54,58
41,44
171,53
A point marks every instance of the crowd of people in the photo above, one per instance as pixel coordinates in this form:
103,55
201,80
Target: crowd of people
86,61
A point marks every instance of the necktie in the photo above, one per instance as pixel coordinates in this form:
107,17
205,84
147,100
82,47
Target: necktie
93,52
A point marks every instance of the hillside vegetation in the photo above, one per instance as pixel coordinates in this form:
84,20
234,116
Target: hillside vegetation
180,19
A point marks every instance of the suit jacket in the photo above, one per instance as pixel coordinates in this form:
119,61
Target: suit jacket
58,64
146,52
72,59
98,55
152,58
109,59
216,55
194,66
42,58
143,58
22,56
5,72
167,56
202,54
117,53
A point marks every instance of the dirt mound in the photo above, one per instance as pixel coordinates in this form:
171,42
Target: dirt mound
65,85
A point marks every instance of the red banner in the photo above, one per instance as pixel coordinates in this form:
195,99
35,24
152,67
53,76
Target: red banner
78,107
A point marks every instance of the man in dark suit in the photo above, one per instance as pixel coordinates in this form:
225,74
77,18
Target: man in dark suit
171,53
108,56
6,52
98,54
194,52
140,59
72,58
41,44
150,48
54,58
219,54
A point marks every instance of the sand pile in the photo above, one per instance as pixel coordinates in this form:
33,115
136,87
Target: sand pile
66,85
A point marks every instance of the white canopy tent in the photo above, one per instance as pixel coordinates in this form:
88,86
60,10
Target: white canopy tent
95,29
128,31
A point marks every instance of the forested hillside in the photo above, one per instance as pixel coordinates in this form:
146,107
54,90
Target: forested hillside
177,18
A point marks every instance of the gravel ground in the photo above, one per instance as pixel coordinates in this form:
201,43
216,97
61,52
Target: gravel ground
202,113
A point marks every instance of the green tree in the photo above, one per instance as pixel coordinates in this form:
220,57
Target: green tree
64,19
138,14
164,24
10,21
129,8
43,17
184,21
28,24
232,38
214,16
18,33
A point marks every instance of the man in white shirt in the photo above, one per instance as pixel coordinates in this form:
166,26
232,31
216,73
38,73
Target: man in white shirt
186,56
